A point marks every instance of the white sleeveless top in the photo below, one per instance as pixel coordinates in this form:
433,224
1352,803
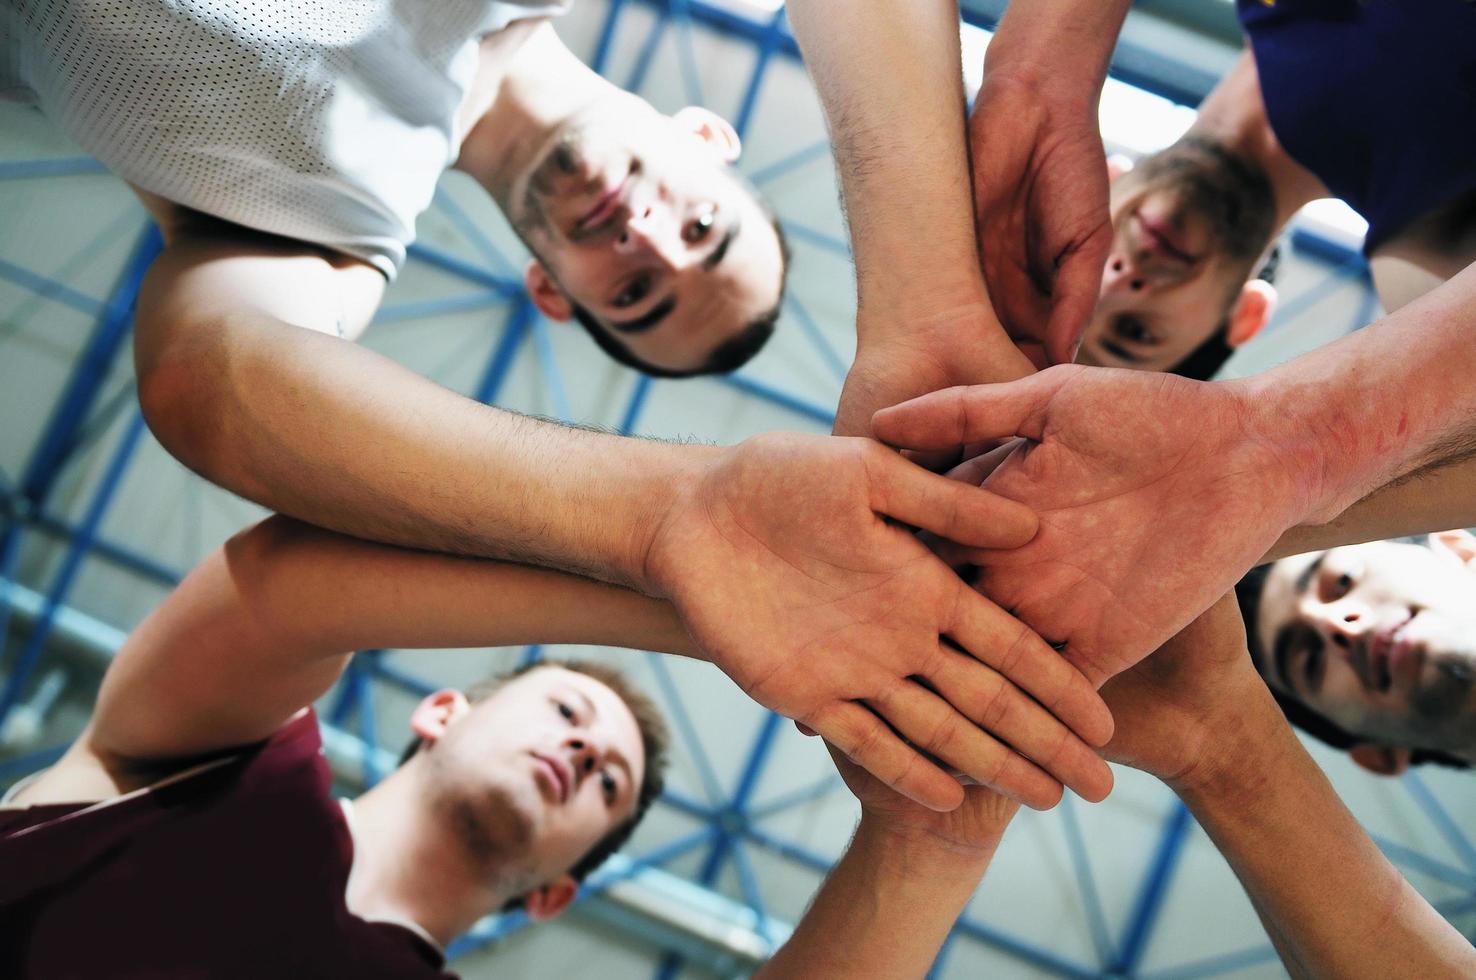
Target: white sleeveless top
327,121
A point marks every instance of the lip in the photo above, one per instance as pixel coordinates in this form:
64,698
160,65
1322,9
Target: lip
557,774
1166,238
1388,657
605,206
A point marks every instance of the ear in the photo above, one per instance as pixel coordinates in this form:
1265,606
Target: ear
712,129
1117,165
1381,759
545,293
547,901
433,715
1251,312
1461,545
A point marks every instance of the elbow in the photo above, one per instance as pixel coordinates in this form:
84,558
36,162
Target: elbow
182,404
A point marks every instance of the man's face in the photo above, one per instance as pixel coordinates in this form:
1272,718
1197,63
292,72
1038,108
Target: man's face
1184,232
637,217
536,774
1378,638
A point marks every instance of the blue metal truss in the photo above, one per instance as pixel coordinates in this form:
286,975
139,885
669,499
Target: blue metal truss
734,819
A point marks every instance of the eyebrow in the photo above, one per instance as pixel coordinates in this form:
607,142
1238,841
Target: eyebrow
1280,654
1309,573
613,754
716,256
663,309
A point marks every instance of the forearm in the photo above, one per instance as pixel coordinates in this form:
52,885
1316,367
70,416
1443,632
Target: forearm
313,593
1339,908
883,912
1434,499
344,438
890,79
1391,400
1061,49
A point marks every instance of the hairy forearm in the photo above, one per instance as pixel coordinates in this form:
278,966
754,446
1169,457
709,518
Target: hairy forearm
1436,498
889,76
883,912
339,436
1336,904
1392,400
321,593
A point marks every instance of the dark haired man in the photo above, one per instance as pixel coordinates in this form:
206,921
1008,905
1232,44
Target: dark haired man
1372,647
190,826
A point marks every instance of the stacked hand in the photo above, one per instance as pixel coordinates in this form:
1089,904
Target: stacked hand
784,563
1153,495
1178,709
972,829
1040,208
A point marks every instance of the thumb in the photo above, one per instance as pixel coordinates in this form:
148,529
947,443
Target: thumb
955,416
1077,285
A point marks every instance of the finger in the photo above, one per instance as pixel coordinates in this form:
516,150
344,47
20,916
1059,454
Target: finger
994,637
975,470
867,741
804,729
1078,285
955,416
967,515
1009,715
933,725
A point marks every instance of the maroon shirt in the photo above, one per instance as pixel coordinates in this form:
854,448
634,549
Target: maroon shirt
237,871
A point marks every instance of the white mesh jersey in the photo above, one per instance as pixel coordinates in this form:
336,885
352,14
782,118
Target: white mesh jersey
327,121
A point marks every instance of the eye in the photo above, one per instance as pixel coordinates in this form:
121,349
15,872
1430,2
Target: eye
1131,328
609,787
701,226
1333,587
566,711
635,290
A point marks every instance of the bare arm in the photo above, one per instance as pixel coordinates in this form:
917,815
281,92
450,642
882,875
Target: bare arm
267,623
1197,715
889,75
891,900
1296,849
884,911
337,435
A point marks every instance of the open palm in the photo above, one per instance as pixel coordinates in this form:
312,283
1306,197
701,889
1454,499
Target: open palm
1152,495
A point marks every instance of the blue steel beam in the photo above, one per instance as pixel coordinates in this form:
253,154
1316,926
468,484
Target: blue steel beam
1155,888
102,499
53,167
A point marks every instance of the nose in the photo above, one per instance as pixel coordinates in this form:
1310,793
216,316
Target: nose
653,231
1122,277
584,756
1343,622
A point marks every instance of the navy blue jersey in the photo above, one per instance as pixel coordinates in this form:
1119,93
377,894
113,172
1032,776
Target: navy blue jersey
1375,97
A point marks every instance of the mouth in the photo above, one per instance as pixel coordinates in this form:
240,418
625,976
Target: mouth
1165,238
604,208
555,775
1119,352
1388,655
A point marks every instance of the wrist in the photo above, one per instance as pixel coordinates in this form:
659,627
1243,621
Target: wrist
658,536
1027,47
897,846
1240,764
939,337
